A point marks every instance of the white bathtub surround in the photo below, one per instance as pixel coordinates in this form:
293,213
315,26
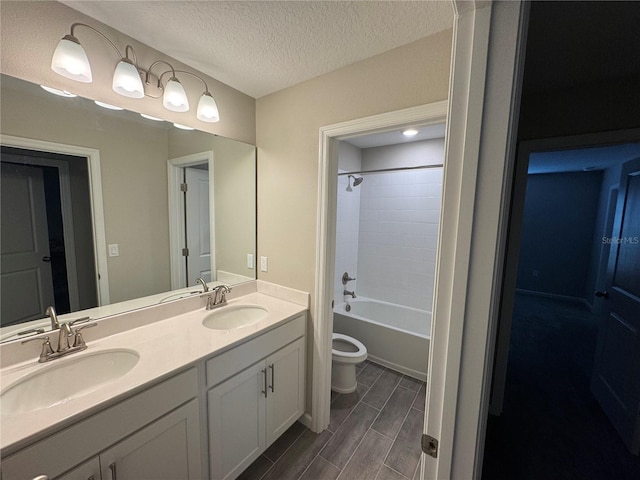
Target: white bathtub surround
395,336
399,215
167,338
347,230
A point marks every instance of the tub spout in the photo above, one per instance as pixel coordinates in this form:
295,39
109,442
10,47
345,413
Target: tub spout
347,292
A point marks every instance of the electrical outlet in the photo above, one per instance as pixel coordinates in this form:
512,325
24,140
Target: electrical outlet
250,261
263,264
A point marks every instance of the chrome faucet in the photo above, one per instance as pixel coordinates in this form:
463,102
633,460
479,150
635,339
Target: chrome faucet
218,296
347,292
205,287
69,341
51,313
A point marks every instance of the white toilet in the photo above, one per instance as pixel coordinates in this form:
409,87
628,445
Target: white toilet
347,352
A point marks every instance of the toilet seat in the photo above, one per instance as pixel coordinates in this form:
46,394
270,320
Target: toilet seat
360,349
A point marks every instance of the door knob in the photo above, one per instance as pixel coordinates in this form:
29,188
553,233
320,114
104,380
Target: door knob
46,259
600,294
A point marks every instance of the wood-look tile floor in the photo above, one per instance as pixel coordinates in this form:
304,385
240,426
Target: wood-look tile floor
374,434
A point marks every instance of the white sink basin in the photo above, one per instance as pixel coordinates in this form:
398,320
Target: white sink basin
57,383
235,316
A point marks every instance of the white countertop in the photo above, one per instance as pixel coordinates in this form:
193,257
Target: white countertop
164,347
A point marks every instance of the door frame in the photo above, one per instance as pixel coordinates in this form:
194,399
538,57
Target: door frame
177,219
423,115
92,157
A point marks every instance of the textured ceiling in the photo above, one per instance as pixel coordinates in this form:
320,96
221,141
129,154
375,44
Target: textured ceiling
260,47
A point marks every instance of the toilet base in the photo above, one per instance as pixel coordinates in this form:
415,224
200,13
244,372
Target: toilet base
343,377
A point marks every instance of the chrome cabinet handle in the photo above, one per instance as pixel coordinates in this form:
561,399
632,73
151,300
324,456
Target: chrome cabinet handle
604,294
46,259
41,477
114,474
273,373
264,372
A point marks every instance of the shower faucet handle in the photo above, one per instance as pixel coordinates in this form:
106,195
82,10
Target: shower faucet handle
346,278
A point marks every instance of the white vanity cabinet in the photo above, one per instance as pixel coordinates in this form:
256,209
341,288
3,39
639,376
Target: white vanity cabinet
259,392
154,434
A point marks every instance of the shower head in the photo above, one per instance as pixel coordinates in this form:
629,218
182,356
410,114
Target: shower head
356,180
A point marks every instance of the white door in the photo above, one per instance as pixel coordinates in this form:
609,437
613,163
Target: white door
616,376
25,266
198,225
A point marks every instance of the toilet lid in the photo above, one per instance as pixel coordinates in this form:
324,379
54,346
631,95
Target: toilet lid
361,349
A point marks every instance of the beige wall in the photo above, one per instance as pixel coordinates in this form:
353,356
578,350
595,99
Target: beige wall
32,29
287,135
234,195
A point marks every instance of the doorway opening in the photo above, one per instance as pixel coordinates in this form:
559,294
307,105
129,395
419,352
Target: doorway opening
330,139
191,219
551,349
48,253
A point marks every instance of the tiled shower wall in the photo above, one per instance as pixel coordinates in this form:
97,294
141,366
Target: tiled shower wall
399,215
388,225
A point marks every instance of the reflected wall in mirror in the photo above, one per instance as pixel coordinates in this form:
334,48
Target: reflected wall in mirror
131,259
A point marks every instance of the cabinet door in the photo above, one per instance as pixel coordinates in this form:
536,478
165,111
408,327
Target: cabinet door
87,471
236,422
286,390
167,449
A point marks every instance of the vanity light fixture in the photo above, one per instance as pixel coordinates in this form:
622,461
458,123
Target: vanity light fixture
183,127
55,91
129,79
149,117
410,132
107,105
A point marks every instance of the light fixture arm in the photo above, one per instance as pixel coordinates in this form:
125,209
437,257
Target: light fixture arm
157,62
77,24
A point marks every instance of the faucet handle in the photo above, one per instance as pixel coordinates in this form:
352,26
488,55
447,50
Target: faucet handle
47,349
79,320
346,278
78,339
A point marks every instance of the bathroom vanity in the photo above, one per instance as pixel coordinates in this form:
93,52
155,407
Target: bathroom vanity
202,393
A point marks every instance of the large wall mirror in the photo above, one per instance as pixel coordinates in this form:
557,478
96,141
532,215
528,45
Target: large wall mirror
95,217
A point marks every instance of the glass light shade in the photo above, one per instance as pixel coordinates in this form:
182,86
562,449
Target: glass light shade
207,108
175,98
410,132
183,127
126,80
55,91
107,105
70,60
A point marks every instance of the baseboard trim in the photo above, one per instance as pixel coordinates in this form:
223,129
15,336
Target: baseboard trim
556,296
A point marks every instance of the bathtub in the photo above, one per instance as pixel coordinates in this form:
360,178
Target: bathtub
395,336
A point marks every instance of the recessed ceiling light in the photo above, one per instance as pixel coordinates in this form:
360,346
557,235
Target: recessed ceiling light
410,132
182,127
149,117
107,105
62,93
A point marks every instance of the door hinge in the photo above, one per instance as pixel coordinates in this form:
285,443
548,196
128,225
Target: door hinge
430,445
184,187
333,303
185,252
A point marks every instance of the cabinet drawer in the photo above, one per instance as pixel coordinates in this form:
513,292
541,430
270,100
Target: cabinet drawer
73,445
225,365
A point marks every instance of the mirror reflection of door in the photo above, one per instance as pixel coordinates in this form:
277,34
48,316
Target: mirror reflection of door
197,224
47,243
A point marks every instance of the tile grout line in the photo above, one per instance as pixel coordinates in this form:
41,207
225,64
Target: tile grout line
282,455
